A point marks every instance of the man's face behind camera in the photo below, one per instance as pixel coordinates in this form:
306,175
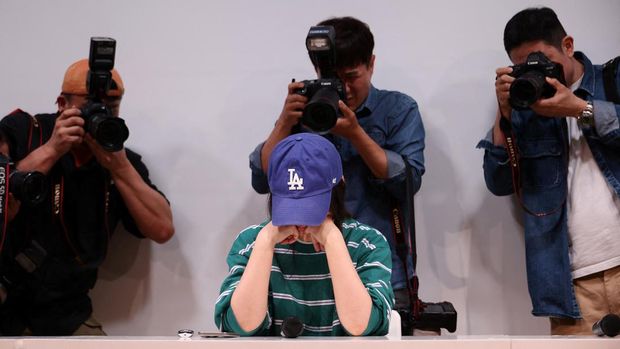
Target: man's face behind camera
357,82
519,54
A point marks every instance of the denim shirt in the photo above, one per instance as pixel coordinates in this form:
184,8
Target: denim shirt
393,121
543,145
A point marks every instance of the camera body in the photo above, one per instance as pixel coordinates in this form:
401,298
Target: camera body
109,131
530,84
29,187
432,316
322,111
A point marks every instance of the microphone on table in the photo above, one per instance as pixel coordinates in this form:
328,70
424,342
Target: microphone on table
292,327
609,326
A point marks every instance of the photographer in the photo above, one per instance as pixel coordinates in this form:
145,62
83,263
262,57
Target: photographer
563,164
311,260
53,249
377,132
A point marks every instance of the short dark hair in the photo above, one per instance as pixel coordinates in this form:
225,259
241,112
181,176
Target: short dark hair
354,41
336,206
533,24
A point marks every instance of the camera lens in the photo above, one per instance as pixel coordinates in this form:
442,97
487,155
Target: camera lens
527,89
321,112
28,187
109,131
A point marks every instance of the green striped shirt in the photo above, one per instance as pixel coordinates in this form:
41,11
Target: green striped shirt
300,283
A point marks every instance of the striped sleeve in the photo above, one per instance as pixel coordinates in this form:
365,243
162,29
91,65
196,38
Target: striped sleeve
374,267
237,260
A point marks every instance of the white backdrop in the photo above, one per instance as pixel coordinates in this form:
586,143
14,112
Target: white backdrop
205,82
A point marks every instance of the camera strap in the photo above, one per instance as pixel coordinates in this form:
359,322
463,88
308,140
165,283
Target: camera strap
35,134
58,211
610,71
406,244
505,126
35,140
4,198
5,171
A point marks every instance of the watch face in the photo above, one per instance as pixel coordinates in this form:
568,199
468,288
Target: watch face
587,116
584,122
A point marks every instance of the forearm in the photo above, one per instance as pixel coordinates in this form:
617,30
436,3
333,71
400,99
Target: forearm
373,155
498,135
249,300
41,159
353,302
279,132
149,209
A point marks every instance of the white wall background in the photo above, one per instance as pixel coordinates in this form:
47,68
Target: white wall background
205,82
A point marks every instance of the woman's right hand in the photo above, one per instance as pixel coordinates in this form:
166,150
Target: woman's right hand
273,235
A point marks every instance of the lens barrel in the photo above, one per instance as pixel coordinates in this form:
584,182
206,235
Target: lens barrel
28,187
321,112
527,89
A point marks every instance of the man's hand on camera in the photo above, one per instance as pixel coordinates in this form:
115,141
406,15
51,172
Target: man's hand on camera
502,89
347,125
68,131
563,103
293,106
115,162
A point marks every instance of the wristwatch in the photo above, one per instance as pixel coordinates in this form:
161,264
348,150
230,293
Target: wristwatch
586,118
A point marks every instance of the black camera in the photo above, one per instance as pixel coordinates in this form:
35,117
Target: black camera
109,131
431,316
530,84
608,326
321,112
27,187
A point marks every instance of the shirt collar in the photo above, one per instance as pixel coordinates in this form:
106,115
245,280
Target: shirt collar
367,107
587,84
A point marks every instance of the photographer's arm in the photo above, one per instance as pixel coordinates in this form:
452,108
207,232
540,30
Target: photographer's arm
68,131
289,117
497,175
147,207
564,102
404,141
503,80
373,155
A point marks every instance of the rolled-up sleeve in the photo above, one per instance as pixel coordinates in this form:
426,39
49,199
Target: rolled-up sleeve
606,122
496,166
404,142
259,177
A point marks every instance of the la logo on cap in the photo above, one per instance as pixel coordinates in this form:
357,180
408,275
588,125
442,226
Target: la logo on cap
294,181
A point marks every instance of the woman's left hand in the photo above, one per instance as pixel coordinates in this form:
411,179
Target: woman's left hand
320,234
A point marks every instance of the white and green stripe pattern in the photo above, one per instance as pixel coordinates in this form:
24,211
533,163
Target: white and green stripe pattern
300,283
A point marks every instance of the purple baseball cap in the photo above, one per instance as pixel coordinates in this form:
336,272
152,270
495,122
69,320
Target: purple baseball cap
303,169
